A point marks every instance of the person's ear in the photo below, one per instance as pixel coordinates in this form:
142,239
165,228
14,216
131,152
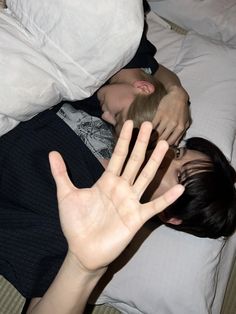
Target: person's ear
174,221
144,87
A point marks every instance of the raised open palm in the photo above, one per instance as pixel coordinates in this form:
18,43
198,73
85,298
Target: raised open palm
100,221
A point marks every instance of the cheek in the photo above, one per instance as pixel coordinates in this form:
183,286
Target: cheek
101,94
154,189
113,102
166,181
162,188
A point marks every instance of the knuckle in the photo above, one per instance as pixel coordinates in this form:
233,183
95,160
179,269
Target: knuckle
146,174
181,127
120,151
173,124
136,157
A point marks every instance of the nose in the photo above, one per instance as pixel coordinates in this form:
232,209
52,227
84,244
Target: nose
108,117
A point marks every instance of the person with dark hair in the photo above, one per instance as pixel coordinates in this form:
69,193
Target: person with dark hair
203,209
207,207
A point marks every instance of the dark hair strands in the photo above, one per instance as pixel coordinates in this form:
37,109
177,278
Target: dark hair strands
207,208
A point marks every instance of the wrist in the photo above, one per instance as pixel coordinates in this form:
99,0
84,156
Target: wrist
70,289
81,269
179,91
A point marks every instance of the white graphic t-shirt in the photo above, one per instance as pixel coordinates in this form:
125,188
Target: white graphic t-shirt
97,135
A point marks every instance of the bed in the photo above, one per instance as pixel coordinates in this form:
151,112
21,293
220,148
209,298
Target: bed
170,272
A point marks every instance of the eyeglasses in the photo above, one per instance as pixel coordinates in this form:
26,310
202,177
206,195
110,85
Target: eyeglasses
179,152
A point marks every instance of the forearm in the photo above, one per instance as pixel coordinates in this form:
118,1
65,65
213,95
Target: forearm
170,80
69,291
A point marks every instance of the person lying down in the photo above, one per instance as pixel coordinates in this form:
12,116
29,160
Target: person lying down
207,208
32,242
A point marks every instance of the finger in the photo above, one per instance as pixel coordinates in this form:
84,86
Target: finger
166,133
179,135
173,138
188,123
121,149
161,126
150,169
177,141
156,206
60,175
138,154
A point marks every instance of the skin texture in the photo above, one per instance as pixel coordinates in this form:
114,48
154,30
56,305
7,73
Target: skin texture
102,220
115,99
173,115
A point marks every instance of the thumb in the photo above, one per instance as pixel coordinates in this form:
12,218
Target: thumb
159,204
60,175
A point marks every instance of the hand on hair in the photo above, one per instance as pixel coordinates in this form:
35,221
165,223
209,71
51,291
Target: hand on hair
100,221
173,116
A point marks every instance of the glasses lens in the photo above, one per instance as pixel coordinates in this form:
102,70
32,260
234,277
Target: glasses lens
179,152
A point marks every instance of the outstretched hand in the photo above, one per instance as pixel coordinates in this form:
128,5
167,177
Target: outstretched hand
100,221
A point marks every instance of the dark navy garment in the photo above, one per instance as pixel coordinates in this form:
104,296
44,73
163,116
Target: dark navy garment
32,245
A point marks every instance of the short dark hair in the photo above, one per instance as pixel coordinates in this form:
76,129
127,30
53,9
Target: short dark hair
207,207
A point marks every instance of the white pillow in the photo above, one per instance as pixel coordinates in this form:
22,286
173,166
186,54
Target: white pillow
214,18
170,273
207,70
61,49
87,40
167,42
29,82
